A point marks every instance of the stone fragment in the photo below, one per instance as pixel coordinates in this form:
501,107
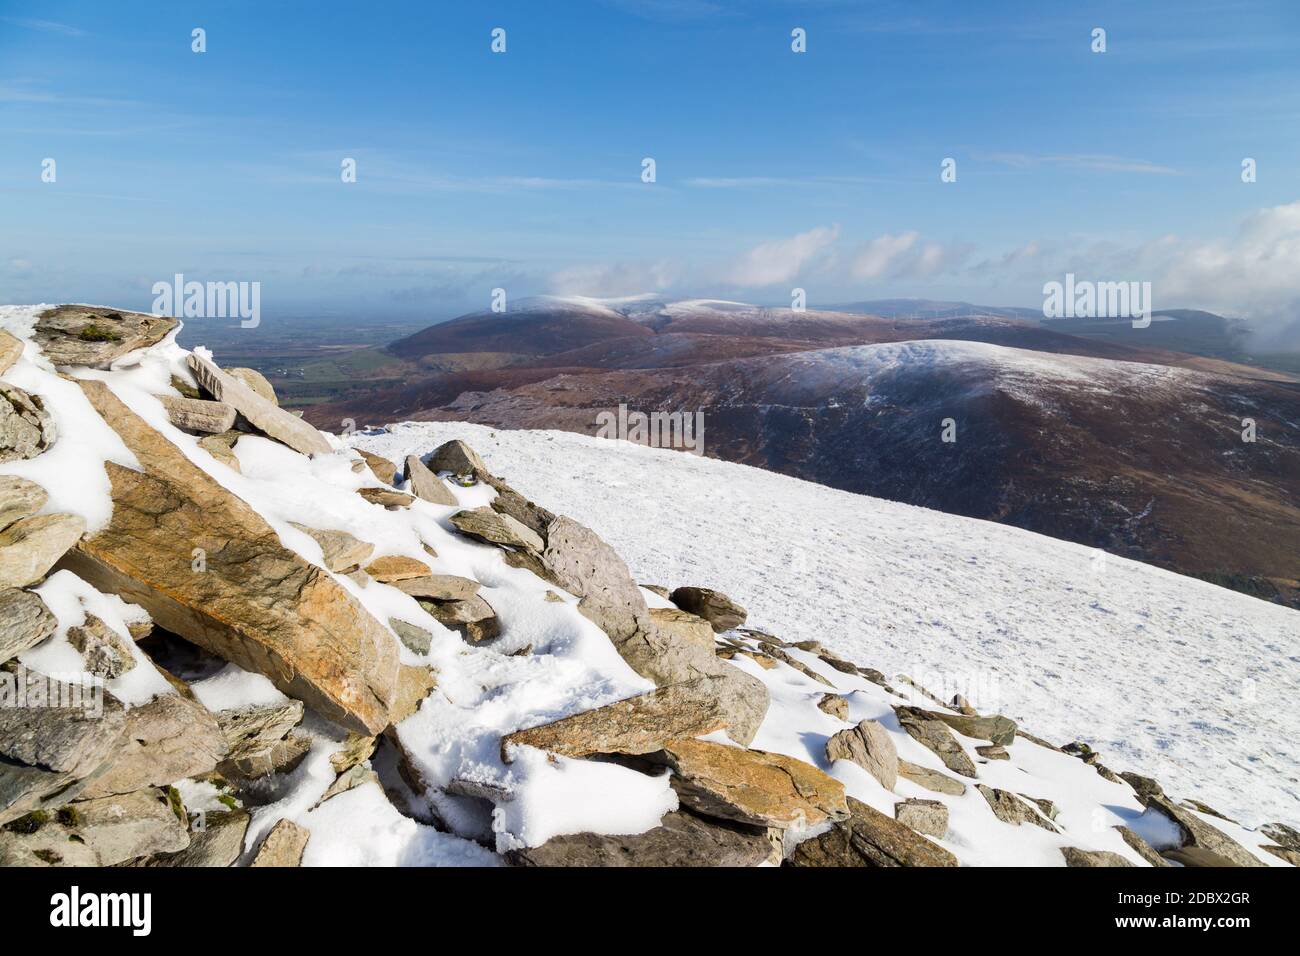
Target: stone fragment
426,485
869,838
927,817
720,611
870,746
197,415
283,846
265,416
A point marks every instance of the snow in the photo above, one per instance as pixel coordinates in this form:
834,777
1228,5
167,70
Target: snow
1165,675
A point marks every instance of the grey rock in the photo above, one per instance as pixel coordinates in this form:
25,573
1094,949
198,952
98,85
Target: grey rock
931,780
249,729
869,838
935,735
1075,857
1009,808
26,428
283,846
265,416
993,752
870,746
342,551
1141,847
684,624
928,817
1282,834
484,524
458,458
197,415
681,839
96,337
113,829
426,485
722,613
257,765
439,587
416,638
105,653
217,841
996,729
387,497
1199,856
31,546
472,617
835,705
19,498
509,502
256,381
1197,834
1144,787
25,621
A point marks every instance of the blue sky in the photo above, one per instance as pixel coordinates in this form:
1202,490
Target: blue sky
774,169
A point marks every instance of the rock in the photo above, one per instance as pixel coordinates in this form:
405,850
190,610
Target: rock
993,752
19,498
254,602
255,738
1197,834
843,666
658,589
484,524
509,502
96,337
386,497
1141,847
396,567
472,617
414,637
217,841
439,587
426,485
1284,853
681,839
381,467
1075,857
835,705
25,621
722,613
684,624
357,748
256,381
11,350
196,415
1192,804
1287,836
752,786
342,552
458,458
1011,809
113,829
31,546
1050,810
265,416
869,838
928,817
350,779
778,654
414,684
257,765
26,428
935,735
221,449
931,780
637,725
812,647
996,729
870,747
106,653
283,846
962,706
1144,787
47,750
1199,856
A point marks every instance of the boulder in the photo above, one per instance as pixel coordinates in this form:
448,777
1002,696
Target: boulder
458,458
931,780
357,748
102,832
752,786
413,636
510,502
1075,857
995,729
342,552
637,725
1283,834
1199,856
31,546
392,568
251,600
1011,809
869,838
928,817
684,624
11,350
197,415
870,746
1284,853
1200,835
935,735
19,498
835,705
106,653
96,337
1141,847
426,485
257,765
414,684
993,752
26,428
722,613
491,527
256,381
25,621
222,448
267,417
386,497
439,587
168,739
962,706
681,839
252,729
381,467
283,846
473,617
216,840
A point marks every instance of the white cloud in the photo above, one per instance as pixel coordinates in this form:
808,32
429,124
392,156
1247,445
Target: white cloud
780,261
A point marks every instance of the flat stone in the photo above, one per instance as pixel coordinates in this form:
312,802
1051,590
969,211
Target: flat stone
392,568
993,752
1092,859
507,501
19,498
413,636
484,524
414,684
835,705
1284,853
439,587
458,458
996,729
221,449
258,742
932,780
26,428
256,381
113,829
935,735
11,350
426,485
265,416
722,613
684,624
473,617
869,838
1009,808
105,653
257,765
217,841
637,725
31,546
381,467
387,497
927,817
25,621
96,337
342,552
681,839
870,746
753,786
254,603
197,415
283,846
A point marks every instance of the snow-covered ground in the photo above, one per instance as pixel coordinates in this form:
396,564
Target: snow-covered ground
1165,675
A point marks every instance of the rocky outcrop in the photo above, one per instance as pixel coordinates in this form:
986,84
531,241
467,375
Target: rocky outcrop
31,546
870,747
752,786
932,780
267,417
95,337
426,485
996,729
491,527
102,832
250,600
256,381
25,621
638,725
869,838
934,734
684,624
722,613
1199,835
681,839
26,428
